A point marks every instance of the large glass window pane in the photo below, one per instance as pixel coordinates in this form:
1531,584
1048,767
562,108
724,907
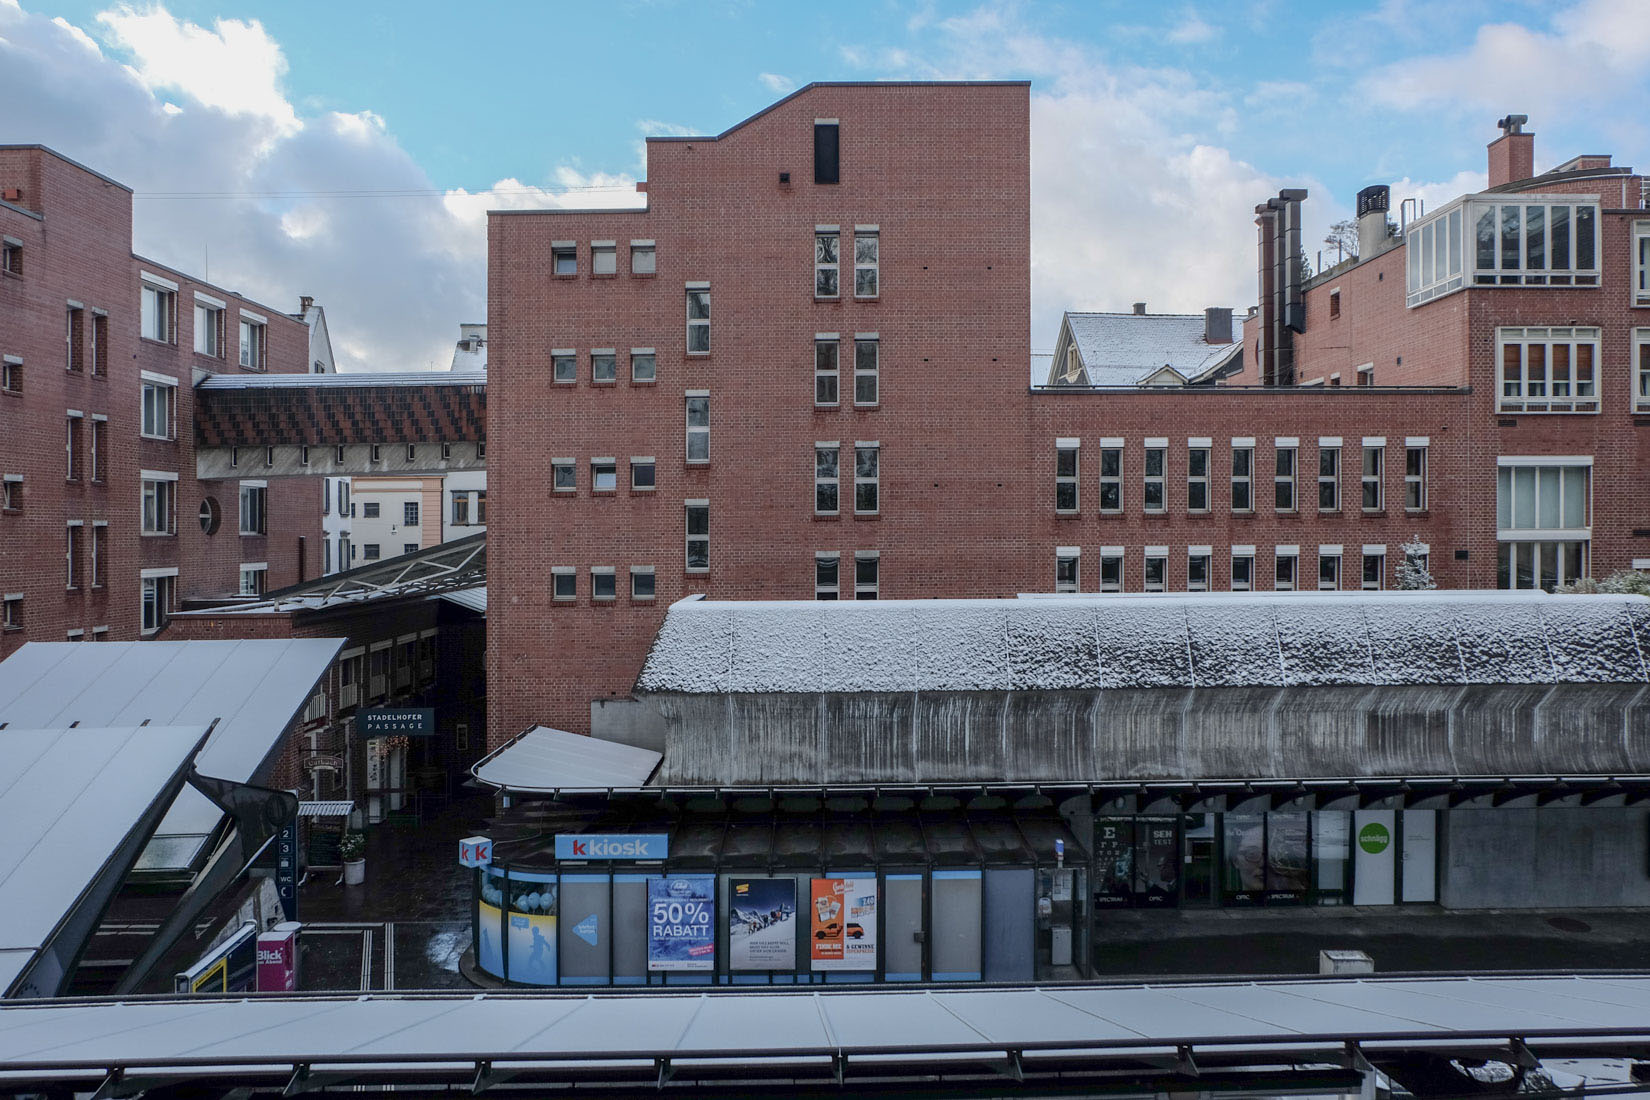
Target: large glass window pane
1535,370
1331,852
1440,251
1575,497
1584,370
1523,498
1547,500
1503,498
1423,245
1584,238
1455,242
1486,239
1287,867
1559,242
1509,238
1535,237
1414,268
1243,872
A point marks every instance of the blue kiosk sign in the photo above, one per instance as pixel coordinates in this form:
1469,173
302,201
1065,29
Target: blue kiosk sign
580,846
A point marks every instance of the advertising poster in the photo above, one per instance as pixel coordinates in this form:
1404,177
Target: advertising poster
1245,871
1113,861
1288,869
842,915
681,923
1158,861
762,924
533,948
490,951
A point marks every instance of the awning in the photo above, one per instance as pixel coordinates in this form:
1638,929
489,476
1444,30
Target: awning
544,760
76,806
325,809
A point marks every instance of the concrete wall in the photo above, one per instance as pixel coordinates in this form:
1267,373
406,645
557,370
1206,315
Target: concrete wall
1558,856
629,722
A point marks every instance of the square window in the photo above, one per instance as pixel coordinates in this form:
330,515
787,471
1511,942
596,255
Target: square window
643,474
643,367
603,585
370,551
564,583
564,475
642,258
603,475
564,259
641,582
564,366
253,579
604,259
603,366
369,509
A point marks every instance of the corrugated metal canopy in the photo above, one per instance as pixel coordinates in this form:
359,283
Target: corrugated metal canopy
253,688
69,800
325,809
544,759
650,1037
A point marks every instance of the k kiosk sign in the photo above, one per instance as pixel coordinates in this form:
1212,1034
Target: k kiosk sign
602,846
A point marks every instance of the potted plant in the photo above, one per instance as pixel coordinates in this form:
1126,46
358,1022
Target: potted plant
352,849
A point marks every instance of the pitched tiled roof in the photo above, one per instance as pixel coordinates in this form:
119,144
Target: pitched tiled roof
1126,349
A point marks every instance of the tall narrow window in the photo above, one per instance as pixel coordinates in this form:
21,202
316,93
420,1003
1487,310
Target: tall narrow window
159,500
11,257
867,353
1415,475
1374,568
698,426
1111,569
1641,263
1283,479
1640,350
100,448
1283,577
1243,478
867,478
11,374
159,400
1067,568
1154,499
1111,479
827,479
157,595
698,319
1065,475
155,310
252,342
1329,477
698,535
867,574
208,328
826,369
1156,571
1197,478
867,254
1329,567
75,338
827,262
827,576
1243,568
827,161
71,555
1374,495
100,552
254,508
72,451
1197,569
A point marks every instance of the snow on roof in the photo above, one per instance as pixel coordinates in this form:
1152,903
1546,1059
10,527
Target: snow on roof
545,759
1103,642
69,800
357,379
1126,349
255,688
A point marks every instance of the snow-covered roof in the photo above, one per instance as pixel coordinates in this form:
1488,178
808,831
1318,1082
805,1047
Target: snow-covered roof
470,353
1132,349
254,689
70,800
1106,642
545,759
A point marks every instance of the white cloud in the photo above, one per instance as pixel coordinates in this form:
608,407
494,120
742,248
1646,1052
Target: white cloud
322,203
779,85
1434,194
1191,30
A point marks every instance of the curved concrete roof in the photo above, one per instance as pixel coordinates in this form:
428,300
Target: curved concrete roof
1121,642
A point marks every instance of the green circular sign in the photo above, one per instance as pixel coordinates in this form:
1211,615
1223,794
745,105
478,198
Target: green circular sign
1374,838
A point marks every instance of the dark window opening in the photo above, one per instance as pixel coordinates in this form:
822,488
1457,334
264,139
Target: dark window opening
826,161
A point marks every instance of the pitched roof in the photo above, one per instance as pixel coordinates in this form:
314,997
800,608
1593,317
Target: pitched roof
1127,349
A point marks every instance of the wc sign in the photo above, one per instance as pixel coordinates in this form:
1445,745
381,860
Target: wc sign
475,851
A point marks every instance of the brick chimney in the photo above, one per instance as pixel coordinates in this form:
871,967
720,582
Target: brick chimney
1140,309
304,302
1512,155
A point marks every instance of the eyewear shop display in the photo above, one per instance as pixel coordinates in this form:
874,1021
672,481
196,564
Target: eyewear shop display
1325,857
714,918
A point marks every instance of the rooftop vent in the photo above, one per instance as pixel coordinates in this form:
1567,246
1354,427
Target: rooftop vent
1140,309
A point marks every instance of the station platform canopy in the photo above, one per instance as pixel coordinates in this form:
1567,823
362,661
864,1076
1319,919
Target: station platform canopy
251,690
76,806
542,760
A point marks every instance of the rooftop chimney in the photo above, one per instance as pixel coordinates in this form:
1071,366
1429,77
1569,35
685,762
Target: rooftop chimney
1373,203
1512,155
1140,309
304,302
1217,325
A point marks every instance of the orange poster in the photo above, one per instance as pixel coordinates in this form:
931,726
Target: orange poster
842,918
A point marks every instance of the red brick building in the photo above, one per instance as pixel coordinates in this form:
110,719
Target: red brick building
104,528
801,373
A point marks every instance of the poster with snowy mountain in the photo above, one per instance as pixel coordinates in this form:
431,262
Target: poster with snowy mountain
762,923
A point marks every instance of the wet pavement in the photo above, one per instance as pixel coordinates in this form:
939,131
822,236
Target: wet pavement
406,926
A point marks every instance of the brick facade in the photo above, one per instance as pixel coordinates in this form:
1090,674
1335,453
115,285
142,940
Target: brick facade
967,451
75,231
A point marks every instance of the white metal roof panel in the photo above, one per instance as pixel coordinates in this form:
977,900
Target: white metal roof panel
545,759
352,380
68,799
253,688
473,598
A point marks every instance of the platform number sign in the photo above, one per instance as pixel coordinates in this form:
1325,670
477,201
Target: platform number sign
286,869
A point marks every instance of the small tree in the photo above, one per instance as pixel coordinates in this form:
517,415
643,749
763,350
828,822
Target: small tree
1412,574
1343,238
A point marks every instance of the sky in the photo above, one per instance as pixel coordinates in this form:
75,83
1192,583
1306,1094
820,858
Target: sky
349,151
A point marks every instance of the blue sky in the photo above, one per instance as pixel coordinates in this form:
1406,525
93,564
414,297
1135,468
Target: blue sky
1155,128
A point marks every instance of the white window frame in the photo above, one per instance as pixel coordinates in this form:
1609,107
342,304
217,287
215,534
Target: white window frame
161,596
1246,479
1067,475
604,366
873,481
1526,403
564,366
11,374
1375,552
564,576
157,303
828,477
638,571
161,487
832,589
257,492
158,395
1204,554
74,357
644,258
1435,252
1415,482
1160,555
1111,453
608,467
11,611
557,466
258,573
73,533
597,572
692,400
868,260
98,548
1158,481
209,317
1281,554
827,369
696,292
868,589
1068,569
1326,556
1329,454
1509,531
1196,482
1291,447
254,341
604,254
564,259
1246,555
690,537
827,262
1115,557
638,463
1520,273
11,493
867,379
639,356
1640,351
72,444
1373,485
1640,257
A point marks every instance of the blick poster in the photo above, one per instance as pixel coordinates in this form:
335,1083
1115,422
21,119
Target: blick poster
762,924
681,926
843,924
